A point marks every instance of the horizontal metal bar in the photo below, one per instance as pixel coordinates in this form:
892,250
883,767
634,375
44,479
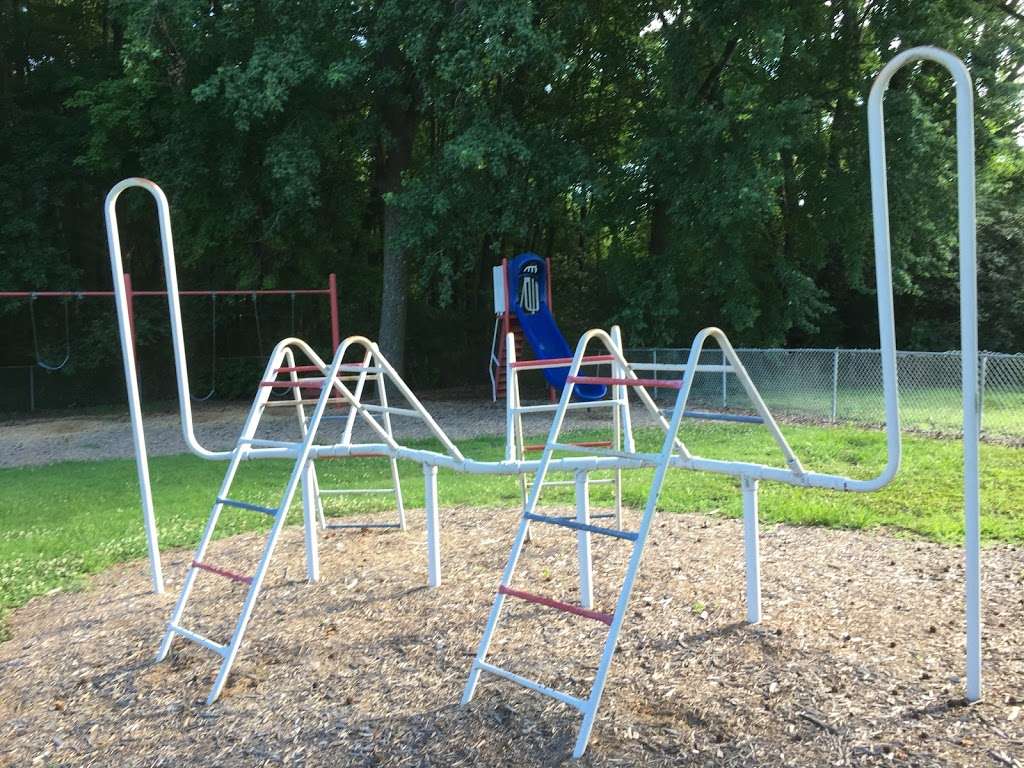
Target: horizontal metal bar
197,639
602,481
604,618
533,685
299,369
583,444
391,410
568,522
651,458
305,401
247,505
674,368
240,578
555,406
261,443
356,368
613,381
333,526
713,416
345,491
561,362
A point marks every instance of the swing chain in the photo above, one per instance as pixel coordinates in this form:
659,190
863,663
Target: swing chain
35,337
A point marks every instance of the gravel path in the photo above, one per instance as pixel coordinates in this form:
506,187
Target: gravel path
88,437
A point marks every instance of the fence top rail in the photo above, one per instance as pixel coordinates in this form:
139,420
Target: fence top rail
830,350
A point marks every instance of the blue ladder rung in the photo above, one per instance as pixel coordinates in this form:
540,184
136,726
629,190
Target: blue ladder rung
568,522
246,505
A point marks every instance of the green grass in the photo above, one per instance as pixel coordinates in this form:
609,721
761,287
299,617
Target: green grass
63,521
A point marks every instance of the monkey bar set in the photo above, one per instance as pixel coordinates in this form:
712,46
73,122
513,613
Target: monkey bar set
343,386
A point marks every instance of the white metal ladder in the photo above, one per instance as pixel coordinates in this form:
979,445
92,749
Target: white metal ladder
515,439
670,449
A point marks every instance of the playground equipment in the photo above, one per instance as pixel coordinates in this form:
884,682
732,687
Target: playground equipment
331,292
523,309
582,460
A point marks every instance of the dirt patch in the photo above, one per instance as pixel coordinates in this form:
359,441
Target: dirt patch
857,661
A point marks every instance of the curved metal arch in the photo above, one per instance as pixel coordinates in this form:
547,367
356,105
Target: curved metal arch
968,312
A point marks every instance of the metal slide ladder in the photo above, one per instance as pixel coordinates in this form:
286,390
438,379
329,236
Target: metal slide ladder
366,373
332,390
623,376
515,443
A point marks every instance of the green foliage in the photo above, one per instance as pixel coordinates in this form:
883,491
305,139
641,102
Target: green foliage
682,164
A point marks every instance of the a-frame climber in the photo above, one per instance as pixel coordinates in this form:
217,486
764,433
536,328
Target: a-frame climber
333,392
671,449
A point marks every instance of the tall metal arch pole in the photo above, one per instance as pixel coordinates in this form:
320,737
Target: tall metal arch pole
968,306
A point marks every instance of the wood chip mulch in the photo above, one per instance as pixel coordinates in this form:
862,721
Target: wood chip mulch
858,661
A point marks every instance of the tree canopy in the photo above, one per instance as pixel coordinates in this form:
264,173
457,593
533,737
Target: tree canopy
683,164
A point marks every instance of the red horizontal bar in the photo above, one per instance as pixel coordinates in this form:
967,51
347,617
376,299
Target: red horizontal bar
299,369
584,444
663,383
563,361
107,294
222,572
604,618
301,384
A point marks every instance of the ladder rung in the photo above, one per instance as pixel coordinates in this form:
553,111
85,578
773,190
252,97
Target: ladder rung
558,362
533,685
247,505
197,638
353,368
604,618
222,572
609,380
305,401
334,526
648,457
601,481
576,525
298,383
390,409
582,444
346,491
299,369
260,443
569,406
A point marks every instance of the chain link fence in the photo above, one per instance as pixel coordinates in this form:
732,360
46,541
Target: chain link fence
845,386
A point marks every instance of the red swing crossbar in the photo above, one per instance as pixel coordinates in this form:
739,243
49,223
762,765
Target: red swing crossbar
662,383
604,618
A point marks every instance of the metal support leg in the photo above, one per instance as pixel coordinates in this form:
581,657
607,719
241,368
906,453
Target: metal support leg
752,549
310,504
583,540
433,526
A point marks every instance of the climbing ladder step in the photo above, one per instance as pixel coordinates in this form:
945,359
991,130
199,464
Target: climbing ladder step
533,685
600,481
610,380
240,578
640,457
576,525
335,526
582,444
256,442
306,401
558,362
247,505
604,618
198,639
550,408
390,410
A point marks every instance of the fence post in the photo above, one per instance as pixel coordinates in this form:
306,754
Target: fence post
725,384
654,361
835,384
32,389
981,391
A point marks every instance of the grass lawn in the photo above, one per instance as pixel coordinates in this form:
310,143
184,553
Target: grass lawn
63,521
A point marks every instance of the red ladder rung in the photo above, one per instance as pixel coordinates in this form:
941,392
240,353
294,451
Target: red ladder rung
222,572
584,444
299,369
604,618
663,383
563,361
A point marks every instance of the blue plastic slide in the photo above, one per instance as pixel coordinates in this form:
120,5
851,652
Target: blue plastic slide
528,286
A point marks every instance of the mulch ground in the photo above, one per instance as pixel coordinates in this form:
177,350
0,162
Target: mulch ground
858,661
